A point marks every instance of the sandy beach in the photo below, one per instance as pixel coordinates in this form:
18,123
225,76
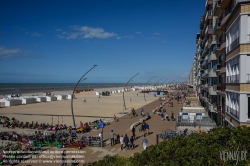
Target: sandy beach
106,107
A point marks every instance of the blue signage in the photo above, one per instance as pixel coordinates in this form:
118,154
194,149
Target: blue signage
101,125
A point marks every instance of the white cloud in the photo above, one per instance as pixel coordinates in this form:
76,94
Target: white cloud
36,34
86,33
8,53
130,36
118,37
58,30
151,38
138,32
157,33
163,41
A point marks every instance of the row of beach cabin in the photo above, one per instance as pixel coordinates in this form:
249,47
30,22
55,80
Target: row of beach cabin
23,100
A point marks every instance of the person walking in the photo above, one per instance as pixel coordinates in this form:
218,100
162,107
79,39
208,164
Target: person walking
126,141
142,112
112,138
133,132
144,142
132,143
121,141
64,158
147,129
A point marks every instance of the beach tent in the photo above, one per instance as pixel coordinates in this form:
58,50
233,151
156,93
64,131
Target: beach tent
51,98
28,100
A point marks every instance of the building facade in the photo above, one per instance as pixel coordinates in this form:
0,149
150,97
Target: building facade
222,61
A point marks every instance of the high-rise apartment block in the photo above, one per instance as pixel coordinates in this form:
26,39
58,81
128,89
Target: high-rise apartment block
221,68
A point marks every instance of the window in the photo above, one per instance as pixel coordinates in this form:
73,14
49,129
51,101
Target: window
185,116
198,116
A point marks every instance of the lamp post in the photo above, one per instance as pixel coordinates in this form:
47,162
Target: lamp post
165,80
158,81
73,117
124,104
146,85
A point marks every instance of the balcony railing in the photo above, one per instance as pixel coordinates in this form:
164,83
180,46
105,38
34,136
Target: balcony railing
233,112
233,78
234,44
215,47
218,3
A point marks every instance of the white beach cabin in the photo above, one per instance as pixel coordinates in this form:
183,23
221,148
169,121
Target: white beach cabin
41,99
51,98
28,100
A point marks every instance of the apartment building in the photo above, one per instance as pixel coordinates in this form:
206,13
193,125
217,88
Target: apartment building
222,61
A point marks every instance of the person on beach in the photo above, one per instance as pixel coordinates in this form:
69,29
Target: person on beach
112,138
121,141
115,119
144,142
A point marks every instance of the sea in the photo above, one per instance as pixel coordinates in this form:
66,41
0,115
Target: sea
20,88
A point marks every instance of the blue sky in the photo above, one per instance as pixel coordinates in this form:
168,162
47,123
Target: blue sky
46,41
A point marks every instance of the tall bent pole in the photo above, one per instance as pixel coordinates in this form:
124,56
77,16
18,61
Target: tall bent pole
146,85
124,104
72,111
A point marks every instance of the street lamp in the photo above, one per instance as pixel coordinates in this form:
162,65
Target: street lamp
165,80
158,81
73,117
124,104
145,85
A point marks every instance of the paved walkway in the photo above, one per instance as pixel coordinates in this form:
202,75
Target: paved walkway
123,127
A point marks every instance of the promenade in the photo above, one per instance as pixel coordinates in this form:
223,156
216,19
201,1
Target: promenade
122,127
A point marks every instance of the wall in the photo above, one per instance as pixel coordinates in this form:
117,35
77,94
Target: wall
243,29
243,108
244,68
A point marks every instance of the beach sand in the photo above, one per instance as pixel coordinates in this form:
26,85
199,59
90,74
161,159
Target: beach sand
106,107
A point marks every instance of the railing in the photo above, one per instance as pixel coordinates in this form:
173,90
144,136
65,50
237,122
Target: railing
204,40
218,3
205,50
233,112
217,25
233,78
210,27
234,44
215,47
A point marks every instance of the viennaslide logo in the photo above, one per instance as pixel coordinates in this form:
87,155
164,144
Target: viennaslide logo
233,155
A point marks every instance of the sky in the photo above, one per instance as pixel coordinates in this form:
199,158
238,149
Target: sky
46,41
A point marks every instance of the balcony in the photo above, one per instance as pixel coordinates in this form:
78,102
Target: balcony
209,14
217,29
223,46
209,2
224,4
217,8
216,49
234,44
221,87
233,112
204,52
218,66
204,63
215,87
233,78
210,30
